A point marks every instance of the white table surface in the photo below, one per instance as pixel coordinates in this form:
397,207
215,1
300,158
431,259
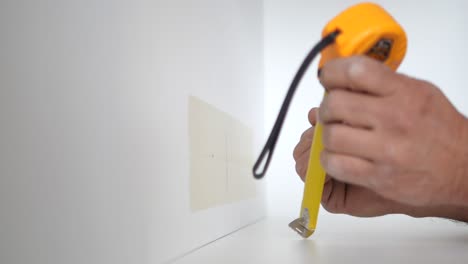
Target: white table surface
341,239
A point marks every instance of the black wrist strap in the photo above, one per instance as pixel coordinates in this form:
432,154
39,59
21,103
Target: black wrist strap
269,147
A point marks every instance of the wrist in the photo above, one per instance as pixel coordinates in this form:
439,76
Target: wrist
461,175
458,213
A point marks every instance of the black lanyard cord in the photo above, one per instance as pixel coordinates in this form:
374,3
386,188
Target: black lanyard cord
269,147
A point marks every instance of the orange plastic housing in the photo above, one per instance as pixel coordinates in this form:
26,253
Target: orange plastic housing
361,27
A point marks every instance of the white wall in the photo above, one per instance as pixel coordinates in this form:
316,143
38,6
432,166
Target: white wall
94,141
94,158
437,52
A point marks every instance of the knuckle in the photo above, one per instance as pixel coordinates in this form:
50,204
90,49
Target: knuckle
300,148
307,134
298,169
418,103
353,169
301,169
397,119
296,152
332,102
326,136
395,153
404,122
384,111
330,207
337,98
330,137
336,204
427,94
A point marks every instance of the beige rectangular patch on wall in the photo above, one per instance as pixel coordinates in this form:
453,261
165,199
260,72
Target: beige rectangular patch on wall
221,157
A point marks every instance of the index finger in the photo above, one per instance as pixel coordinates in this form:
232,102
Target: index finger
361,74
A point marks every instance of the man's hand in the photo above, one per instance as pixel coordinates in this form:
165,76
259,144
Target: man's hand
393,144
339,197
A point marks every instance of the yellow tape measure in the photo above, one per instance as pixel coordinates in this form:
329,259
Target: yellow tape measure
364,29
361,29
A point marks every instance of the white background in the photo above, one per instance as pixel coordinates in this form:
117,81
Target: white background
94,142
437,51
